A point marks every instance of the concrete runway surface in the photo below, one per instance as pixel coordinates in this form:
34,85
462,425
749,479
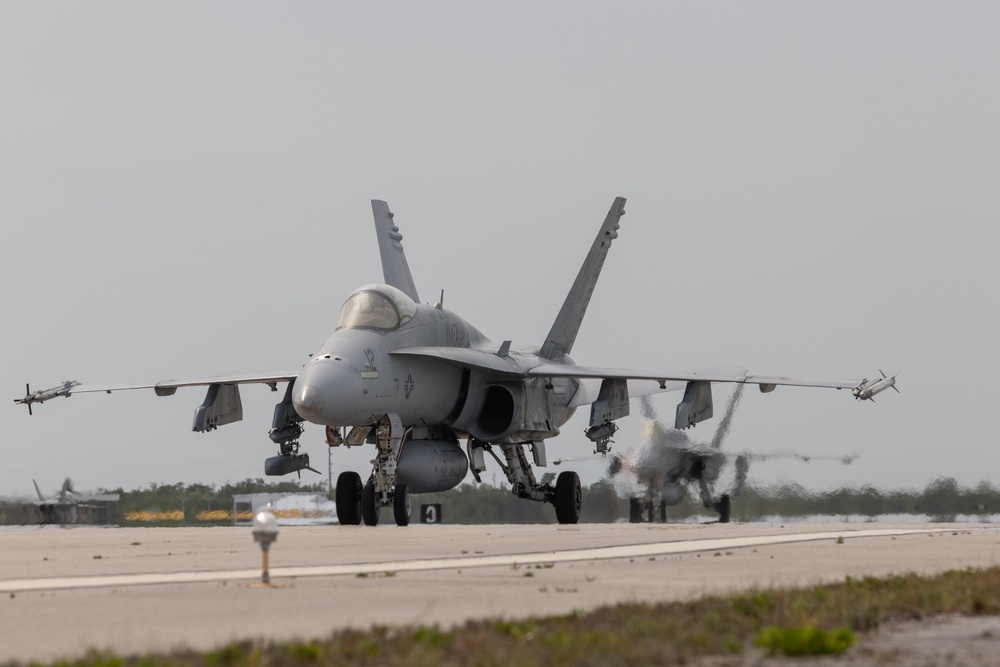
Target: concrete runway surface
151,589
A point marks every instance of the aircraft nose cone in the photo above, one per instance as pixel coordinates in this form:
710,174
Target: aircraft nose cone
308,402
328,393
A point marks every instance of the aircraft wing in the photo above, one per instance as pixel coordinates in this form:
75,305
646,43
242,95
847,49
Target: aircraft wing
640,382
491,362
167,385
590,389
163,388
711,375
468,357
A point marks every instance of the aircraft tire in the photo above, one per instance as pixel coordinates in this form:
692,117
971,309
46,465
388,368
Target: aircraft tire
369,505
634,511
568,498
349,492
724,508
401,505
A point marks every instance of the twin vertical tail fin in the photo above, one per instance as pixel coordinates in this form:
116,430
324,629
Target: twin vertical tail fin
395,270
561,337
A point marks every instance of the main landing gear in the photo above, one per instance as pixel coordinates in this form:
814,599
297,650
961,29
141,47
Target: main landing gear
566,496
349,505
645,511
723,505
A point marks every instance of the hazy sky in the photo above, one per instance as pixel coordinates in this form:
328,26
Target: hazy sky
813,190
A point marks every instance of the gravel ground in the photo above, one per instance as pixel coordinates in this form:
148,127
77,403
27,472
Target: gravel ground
956,641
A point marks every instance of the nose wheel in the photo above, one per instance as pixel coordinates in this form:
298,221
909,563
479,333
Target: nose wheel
372,504
401,505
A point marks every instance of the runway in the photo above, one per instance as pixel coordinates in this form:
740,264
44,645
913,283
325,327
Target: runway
150,589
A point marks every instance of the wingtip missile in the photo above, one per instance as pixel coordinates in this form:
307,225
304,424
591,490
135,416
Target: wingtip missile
42,395
867,390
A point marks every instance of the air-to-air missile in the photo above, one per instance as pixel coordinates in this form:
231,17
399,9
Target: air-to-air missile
43,395
867,389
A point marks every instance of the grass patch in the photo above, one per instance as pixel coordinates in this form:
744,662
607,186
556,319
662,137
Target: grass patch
810,621
808,640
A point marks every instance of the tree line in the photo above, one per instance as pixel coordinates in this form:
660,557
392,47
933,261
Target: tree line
942,499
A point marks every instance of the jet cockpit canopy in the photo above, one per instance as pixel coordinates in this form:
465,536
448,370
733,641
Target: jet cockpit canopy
380,307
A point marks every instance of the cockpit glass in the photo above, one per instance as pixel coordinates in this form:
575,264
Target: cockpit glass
376,307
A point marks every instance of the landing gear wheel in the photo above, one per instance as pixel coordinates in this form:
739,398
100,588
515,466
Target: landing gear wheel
349,491
568,498
401,505
634,511
723,507
369,505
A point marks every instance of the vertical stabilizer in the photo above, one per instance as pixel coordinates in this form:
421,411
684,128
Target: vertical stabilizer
395,270
38,491
561,337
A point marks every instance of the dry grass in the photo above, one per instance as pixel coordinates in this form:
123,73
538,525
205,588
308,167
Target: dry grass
628,634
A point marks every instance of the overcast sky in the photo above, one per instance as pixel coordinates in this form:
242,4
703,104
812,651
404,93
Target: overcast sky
813,190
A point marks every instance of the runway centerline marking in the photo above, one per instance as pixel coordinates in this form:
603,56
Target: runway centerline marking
464,562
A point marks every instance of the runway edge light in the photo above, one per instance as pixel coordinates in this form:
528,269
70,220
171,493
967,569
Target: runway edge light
265,531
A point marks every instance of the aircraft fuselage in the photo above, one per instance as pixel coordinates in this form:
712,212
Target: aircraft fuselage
355,378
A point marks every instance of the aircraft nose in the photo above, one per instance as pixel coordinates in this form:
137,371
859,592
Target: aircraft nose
328,393
308,402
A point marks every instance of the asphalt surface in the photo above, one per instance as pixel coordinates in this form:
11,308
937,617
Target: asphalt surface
132,590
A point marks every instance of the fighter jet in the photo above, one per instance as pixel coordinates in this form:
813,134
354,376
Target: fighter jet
63,508
665,463
413,380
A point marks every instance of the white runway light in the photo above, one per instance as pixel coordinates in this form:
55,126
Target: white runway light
265,531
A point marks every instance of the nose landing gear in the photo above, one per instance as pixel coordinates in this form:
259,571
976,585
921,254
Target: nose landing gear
381,489
372,503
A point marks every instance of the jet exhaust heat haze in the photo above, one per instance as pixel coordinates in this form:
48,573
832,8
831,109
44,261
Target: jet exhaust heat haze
414,381
658,471
665,461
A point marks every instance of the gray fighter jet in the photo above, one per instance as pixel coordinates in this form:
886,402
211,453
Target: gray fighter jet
64,508
666,463
414,380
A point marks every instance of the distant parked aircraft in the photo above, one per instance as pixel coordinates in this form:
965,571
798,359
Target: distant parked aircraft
63,508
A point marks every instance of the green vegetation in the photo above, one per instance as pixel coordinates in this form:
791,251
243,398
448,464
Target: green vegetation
942,499
808,640
820,620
